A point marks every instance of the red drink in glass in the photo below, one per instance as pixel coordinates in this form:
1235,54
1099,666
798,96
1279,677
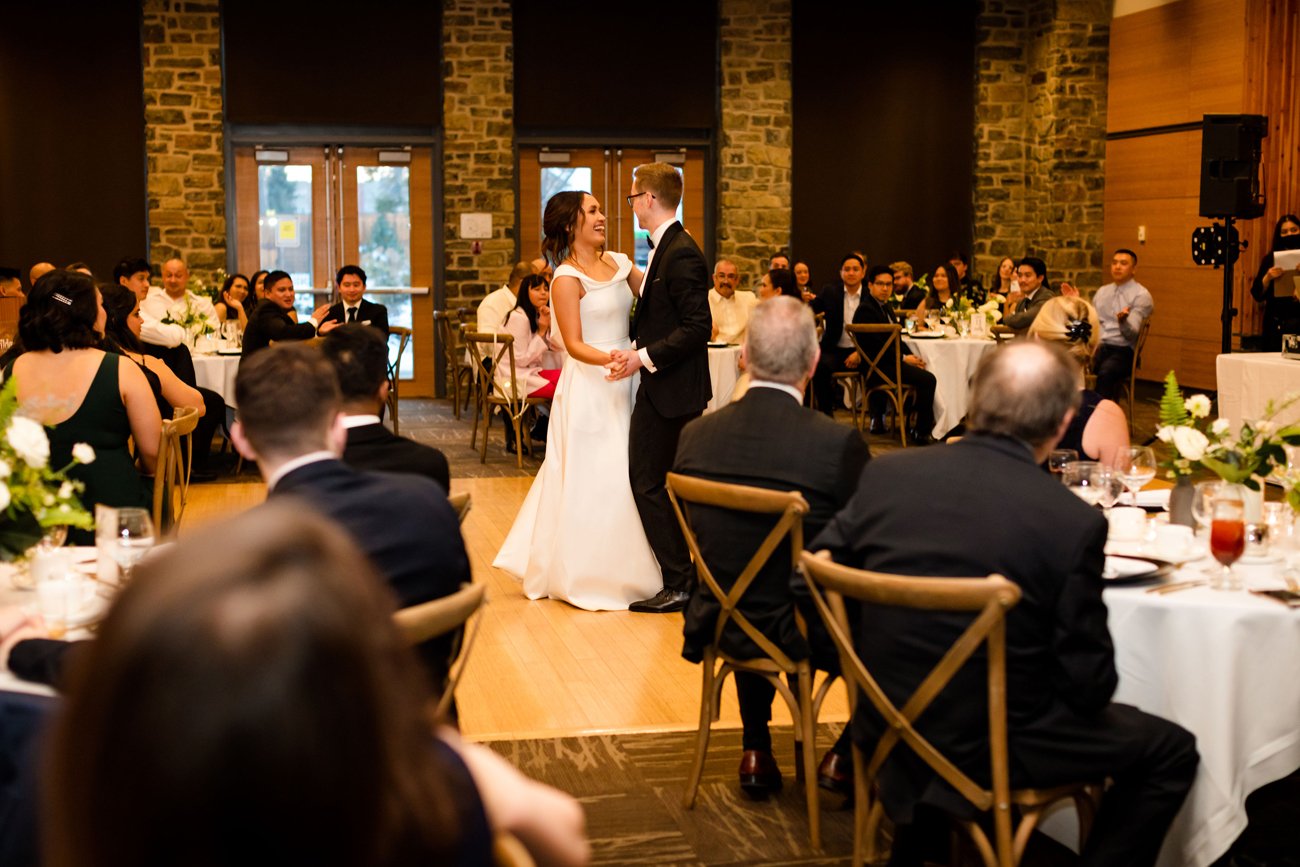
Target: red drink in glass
1227,540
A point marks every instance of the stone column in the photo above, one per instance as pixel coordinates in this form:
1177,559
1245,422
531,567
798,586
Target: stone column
1040,136
183,133
754,134
478,144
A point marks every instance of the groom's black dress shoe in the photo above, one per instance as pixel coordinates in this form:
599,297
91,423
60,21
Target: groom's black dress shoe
759,775
662,602
835,773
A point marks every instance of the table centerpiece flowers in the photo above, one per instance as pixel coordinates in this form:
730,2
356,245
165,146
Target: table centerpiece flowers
36,501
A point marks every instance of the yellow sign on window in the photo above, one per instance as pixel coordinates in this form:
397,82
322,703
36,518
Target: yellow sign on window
286,233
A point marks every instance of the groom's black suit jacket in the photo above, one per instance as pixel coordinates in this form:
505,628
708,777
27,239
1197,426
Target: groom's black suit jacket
672,323
767,439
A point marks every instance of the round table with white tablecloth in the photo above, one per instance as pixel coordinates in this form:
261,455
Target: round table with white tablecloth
217,372
724,370
952,360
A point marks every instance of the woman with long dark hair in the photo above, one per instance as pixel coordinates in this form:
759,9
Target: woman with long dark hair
84,394
255,704
1004,280
235,300
1281,314
945,288
578,536
530,325
776,282
122,335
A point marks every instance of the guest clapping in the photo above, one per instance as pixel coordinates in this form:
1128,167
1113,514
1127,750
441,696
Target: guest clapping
256,704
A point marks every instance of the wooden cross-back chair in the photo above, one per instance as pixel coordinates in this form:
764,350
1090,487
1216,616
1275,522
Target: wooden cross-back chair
437,617
491,352
988,600
447,323
403,336
171,481
884,368
788,509
1143,333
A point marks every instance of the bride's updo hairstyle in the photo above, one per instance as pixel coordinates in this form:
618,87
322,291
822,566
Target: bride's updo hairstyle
559,223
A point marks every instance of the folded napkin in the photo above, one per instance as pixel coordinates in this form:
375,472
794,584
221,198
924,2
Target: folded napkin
1157,498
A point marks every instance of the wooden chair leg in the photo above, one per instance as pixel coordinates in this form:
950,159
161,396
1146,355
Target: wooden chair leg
809,727
519,440
701,736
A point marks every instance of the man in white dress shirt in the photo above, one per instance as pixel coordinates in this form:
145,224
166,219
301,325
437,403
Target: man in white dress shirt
730,308
135,274
493,310
173,302
1122,307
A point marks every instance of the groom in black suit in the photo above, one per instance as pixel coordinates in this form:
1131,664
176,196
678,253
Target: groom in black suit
670,331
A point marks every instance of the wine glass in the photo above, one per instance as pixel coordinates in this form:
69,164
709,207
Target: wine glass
1110,486
1057,460
133,538
1081,478
1137,466
1227,538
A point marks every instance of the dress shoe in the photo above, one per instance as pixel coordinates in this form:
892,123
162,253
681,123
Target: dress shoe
877,424
663,602
919,438
835,773
759,775
538,431
198,476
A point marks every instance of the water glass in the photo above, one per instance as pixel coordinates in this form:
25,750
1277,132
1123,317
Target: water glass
1081,478
132,540
1109,484
1057,460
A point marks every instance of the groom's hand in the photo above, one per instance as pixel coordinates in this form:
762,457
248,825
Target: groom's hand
625,362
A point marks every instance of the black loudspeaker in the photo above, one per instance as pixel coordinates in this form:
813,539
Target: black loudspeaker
1230,151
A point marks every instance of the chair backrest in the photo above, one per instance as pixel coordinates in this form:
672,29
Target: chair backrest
1003,333
448,328
1143,333
886,363
490,351
790,507
172,472
462,503
403,336
428,620
988,599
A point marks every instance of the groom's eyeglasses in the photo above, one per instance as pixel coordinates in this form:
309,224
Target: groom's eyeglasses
636,196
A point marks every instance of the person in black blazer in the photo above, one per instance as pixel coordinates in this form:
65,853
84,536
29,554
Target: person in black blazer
768,439
271,319
875,310
360,359
670,328
1061,674
351,307
833,302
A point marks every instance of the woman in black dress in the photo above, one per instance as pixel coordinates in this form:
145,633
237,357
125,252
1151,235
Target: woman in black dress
1281,315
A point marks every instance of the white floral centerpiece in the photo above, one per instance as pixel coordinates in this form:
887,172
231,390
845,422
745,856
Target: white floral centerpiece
34,498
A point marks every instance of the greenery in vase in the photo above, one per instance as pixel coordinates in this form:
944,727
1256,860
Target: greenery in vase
33,497
192,320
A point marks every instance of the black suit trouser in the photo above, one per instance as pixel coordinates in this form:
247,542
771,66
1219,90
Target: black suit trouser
1112,365
652,447
823,385
755,695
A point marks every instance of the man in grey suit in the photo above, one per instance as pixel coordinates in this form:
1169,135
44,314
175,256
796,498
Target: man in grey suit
768,439
1034,291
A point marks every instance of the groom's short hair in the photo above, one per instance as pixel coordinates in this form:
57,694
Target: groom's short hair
781,340
663,180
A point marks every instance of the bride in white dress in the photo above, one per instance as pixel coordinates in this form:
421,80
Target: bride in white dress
578,536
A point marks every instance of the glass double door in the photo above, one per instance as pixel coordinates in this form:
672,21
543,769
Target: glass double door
606,173
311,210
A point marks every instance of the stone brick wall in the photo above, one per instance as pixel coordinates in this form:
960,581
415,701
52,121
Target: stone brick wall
183,134
754,135
1040,136
478,143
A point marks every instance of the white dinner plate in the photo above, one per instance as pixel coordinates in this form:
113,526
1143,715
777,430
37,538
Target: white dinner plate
927,335
1128,570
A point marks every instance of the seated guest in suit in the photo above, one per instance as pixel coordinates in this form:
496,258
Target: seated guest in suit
730,309
837,302
907,295
274,319
11,283
768,440
360,359
1063,726
779,260
971,287
351,282
234,304
875,310
1099,430
1032,292
496,306
255,703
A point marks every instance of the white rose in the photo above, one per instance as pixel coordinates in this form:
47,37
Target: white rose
1190,443
995,315
1220,427
1165,434
65,490
5,470
1198,405
28,439
4,496
83,453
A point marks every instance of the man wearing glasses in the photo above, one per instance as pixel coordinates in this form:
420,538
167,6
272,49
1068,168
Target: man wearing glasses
875,310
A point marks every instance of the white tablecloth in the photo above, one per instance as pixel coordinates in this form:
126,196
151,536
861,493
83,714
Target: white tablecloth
1249,380
724,370
1224,666
217,372
952,360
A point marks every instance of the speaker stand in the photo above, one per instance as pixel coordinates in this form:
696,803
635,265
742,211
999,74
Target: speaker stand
1229,258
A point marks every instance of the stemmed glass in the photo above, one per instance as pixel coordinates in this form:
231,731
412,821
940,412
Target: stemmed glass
1110,486
1227,539
1081,478
1057,460
132,540
1137,466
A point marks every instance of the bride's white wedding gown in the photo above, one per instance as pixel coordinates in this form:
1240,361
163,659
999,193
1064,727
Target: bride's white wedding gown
578,536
